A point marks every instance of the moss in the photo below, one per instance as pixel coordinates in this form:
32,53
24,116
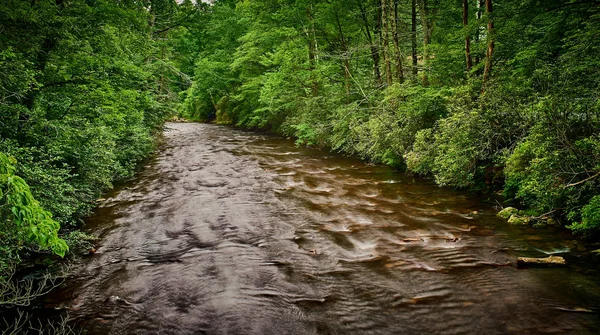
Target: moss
507,212
519,220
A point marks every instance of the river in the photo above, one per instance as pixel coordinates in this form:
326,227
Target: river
232,232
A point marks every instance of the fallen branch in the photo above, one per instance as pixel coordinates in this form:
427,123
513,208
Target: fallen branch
14,293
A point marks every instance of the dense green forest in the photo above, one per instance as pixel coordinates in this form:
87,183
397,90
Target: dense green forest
495,96
85,87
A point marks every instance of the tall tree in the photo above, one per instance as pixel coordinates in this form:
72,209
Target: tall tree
413,38
396,36
428,21
490,44
386,28
465,17
373,46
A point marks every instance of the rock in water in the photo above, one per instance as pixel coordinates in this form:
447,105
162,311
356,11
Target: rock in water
548,261
507,212
519,220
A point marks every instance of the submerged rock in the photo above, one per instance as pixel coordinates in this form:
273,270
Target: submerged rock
507,212
548,261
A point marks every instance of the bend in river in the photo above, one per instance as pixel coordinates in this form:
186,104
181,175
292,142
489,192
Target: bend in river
230,232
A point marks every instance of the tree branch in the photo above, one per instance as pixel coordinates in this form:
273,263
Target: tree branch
177,24
583,181
595,2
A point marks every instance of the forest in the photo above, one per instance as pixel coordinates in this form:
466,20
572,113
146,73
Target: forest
499,97
85,88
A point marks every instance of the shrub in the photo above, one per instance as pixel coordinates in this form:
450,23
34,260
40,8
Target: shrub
23,222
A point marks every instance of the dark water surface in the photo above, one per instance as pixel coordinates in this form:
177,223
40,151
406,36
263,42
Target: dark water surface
229,232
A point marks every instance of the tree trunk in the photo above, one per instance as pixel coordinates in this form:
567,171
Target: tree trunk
427,23
467,36
415,69
374,47
397,53
345,55
490,48
480,5
312,51
385,34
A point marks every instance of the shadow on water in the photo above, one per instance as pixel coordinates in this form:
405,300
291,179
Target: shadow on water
229,232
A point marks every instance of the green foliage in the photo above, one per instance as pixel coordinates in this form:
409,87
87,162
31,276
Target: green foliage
24,223
590,219
84,87
79,242
461,145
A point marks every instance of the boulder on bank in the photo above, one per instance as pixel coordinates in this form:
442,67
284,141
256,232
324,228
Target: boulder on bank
548,261
507,212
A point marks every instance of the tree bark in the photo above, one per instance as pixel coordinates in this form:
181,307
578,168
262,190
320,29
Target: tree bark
490,48
467,36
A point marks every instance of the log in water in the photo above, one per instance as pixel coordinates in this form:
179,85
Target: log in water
230,232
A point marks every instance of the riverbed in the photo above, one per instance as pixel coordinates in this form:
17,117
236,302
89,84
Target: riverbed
233,232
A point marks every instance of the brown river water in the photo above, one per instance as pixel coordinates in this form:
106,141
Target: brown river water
232,232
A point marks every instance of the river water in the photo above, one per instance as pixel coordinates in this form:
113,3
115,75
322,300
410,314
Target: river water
231,232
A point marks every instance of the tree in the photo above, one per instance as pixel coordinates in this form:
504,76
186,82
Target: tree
490,44
467,36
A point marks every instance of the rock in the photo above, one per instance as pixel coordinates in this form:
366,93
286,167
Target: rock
474,212
519,220
551,222
507,212
548,261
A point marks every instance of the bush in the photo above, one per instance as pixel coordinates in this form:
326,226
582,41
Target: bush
589,225
24,224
